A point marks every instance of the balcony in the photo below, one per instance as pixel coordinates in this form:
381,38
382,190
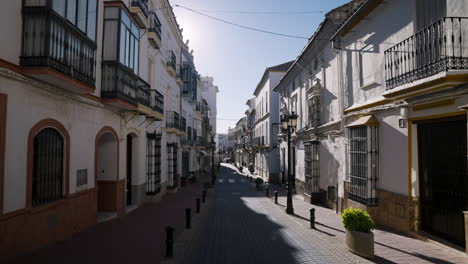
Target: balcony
154,30
179,77
172,122
171,65
437,54
157,104
139,10
183,124
119,86
258,142
56,52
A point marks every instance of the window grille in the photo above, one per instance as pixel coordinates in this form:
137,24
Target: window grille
312,168
172,164
363,171
153,161
48,167
314,112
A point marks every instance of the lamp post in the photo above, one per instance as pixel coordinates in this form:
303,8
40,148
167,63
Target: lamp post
288,125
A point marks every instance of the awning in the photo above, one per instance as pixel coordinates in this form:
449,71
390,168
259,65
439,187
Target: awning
369,120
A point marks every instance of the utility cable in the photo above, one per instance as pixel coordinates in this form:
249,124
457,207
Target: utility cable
241,26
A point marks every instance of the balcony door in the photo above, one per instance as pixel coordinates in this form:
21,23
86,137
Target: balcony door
428,12
443,180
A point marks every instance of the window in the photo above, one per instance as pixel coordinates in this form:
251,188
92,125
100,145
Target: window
363,171
129,42
153,163
314,111
48,167
312,169
81,13
172,165
368,65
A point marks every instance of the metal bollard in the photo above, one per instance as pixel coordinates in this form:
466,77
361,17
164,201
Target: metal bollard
203,196
198,205
169,242
276,197
267,192
188,218
312,218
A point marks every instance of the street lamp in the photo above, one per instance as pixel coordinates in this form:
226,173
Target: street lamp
288,125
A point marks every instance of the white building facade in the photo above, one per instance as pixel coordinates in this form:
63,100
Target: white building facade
382,120
266,124
91,114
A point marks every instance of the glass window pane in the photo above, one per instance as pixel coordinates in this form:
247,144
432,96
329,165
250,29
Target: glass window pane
122,43
131,62
82,12
127,46
92,14
59,7
71,11
137,49
111,13
125,18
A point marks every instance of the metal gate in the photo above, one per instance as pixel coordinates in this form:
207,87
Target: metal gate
443,179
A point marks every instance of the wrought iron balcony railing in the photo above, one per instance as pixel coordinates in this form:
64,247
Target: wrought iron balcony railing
157,103
172,61
183,124
439,47
172,119
51,41
258,141
155,24
142,4
119,82
143,92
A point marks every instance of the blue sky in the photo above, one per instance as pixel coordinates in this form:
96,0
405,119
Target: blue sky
236,57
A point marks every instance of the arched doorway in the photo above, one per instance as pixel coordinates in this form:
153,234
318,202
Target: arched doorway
132,169
109,188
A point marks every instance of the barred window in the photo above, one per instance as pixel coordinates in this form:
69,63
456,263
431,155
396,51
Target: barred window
363,171
48,167
314,112
172,165
153,163
312,169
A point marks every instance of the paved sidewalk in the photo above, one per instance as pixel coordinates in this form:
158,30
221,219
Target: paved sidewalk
138,237
390,247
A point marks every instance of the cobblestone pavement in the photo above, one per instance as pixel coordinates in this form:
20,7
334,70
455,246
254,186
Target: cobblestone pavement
390,247
138,237
246,227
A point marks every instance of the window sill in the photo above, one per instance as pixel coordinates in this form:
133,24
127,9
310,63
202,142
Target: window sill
369,85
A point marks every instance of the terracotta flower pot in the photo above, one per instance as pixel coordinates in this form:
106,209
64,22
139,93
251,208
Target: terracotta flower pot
360,243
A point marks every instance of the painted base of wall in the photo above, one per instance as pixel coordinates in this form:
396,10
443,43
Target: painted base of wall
25,230
392,210
111,196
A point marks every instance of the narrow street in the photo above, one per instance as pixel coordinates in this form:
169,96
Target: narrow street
247,227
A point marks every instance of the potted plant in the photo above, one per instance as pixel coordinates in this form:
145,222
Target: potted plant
359,236
258,183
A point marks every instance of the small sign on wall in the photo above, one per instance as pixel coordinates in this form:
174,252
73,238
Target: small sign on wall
81,177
